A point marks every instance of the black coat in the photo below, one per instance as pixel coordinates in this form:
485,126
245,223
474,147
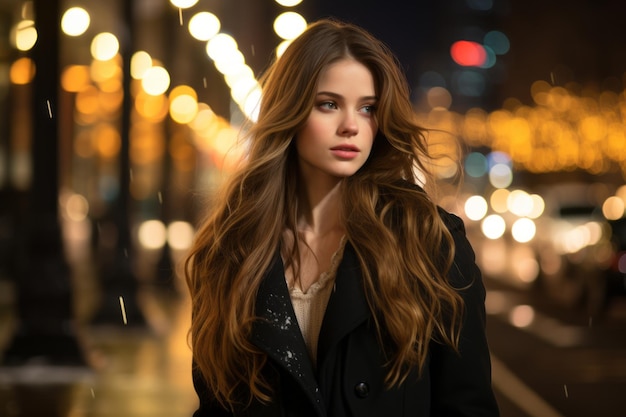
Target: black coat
349,380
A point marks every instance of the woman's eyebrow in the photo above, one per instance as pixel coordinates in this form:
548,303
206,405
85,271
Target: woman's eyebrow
338,96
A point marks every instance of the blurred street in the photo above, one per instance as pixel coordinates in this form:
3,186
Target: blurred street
547,362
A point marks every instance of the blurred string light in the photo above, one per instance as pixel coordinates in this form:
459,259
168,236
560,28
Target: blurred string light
204,25
288,3
75,21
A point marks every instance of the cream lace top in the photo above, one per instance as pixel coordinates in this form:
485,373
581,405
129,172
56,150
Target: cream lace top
310,306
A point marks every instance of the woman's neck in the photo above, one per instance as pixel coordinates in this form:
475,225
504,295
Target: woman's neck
319,208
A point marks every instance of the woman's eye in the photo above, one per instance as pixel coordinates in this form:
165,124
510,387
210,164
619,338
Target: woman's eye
369,108
328,105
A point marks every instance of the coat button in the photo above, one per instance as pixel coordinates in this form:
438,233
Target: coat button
362,390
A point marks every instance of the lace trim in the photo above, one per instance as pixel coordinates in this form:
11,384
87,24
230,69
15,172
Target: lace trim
325,277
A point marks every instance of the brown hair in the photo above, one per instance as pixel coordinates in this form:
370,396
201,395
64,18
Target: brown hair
403,246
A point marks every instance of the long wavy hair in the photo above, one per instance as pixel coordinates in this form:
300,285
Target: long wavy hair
403,246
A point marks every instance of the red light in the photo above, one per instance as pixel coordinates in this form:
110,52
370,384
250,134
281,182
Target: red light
468,53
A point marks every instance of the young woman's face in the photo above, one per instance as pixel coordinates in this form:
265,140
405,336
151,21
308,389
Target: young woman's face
337,138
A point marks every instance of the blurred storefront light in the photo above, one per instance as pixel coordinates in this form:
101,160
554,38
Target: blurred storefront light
613,208
523,230
493,226
522,316
501,176
476,207
152,234
75,21
520,203
498,200
180,235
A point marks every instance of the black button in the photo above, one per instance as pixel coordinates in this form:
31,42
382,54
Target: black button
362,390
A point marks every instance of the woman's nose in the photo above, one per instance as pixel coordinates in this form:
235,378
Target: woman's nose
349,126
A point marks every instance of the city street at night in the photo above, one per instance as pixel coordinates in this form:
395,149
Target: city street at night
119,119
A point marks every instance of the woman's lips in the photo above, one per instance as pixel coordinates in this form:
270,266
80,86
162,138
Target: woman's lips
345,151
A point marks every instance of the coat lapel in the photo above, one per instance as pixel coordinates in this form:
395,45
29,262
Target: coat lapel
277,332
347,307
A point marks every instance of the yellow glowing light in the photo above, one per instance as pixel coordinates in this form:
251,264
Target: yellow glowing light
152,234
87,100
156,81
140,62
108,141
204,25
252,103
102,71
613,208
288,3
180,235
476,207
539,206
24,35
230,63
76,207
520,203
153,108
75,21
22,71
522,316
280,49
183,4
523,230
104,46
183,108
220,46
238,73
289,25
75,78
204,117
242,89
493,226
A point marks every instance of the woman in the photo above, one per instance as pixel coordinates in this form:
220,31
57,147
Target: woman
325,282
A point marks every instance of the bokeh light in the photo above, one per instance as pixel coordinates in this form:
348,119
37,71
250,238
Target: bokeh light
104,46
289,25
523,230
140,62
183,4
24,35
204,25
476,207
75,21
493,226
156,81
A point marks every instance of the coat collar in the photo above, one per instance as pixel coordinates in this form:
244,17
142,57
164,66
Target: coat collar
277,332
